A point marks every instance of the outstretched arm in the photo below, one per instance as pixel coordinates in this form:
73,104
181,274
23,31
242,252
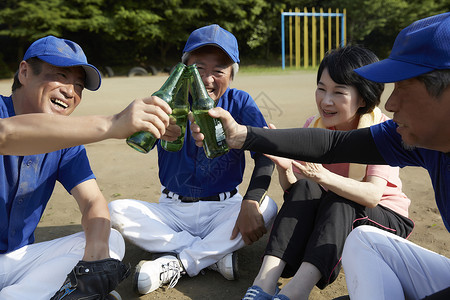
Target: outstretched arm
286,175
315,144
40,133
306,144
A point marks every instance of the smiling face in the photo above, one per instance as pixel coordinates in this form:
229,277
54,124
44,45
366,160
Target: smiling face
55,90
422,119
215,69
337,103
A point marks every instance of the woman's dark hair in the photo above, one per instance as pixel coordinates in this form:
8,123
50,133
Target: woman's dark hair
341,63
36,67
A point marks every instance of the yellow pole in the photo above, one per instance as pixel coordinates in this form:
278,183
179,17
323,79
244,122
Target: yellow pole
290,40
299,33
297,40
345,27
322,37
329,29
337,28
314,38
305,39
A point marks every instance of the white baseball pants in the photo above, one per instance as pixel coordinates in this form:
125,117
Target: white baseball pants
198,232
38,270
379,265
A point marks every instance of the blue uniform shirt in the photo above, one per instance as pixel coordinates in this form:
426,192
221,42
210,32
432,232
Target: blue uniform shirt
389,144
27,182
190,173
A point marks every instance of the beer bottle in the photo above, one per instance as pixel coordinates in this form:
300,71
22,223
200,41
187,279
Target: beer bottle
180,110
143,141
214,143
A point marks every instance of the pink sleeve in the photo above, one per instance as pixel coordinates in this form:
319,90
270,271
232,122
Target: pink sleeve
382,171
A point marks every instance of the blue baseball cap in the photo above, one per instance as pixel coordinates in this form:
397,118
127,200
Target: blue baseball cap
64,53
216,36
420,48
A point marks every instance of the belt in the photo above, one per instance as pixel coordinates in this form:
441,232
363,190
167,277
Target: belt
219,197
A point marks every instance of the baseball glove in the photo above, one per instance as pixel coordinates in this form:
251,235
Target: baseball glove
92,280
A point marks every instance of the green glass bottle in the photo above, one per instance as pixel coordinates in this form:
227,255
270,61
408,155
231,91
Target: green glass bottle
214,143
180,110
143,141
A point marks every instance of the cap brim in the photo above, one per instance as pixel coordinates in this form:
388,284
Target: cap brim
195,47
391,70
93,77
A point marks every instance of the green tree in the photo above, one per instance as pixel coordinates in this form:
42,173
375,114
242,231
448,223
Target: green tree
375,24
253,22
30,20
26,20
150,32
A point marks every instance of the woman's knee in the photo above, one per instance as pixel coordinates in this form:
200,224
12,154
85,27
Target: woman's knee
304,189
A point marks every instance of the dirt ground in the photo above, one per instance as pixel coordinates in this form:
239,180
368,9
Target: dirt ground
286,99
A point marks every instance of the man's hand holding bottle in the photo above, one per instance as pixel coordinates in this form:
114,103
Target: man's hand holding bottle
235,133
148,114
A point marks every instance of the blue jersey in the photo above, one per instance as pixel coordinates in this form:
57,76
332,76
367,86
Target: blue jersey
27,182
389,144
189,172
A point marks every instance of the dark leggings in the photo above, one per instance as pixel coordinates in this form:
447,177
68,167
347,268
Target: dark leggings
312,226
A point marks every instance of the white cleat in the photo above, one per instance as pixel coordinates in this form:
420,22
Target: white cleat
153,274
227,266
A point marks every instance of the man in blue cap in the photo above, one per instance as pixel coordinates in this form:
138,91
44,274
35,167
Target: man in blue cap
201,218
34,119
377,264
